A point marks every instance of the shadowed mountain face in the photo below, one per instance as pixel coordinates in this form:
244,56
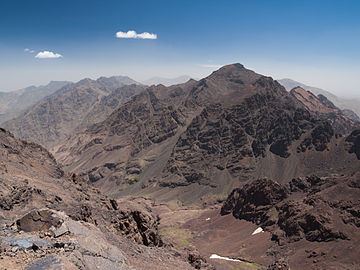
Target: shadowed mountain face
12,104
193,142
57,116
350,107
342,122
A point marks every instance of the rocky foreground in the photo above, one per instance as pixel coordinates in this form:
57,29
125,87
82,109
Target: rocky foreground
52,221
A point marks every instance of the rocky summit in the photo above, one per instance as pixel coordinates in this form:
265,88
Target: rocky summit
228,172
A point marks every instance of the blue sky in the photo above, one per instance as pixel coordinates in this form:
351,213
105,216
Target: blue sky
316,42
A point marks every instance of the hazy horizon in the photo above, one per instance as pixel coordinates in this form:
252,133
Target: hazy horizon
67,40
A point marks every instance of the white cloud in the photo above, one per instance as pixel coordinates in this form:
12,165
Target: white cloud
133,34
210,66
28,50
47,54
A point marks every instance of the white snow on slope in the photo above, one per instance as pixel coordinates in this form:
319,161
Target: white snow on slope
258,230
215,256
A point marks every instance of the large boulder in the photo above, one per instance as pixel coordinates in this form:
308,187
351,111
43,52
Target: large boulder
253,201
38,220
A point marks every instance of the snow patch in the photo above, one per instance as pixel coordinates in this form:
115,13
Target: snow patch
207,219
215,256
258,230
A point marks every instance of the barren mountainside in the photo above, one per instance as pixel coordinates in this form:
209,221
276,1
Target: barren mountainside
52,119
193,142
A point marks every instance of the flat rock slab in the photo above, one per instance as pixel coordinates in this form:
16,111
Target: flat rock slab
51,263
46,263
61,231
27,242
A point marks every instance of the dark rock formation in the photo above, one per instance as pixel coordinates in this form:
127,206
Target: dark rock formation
318,139
81,212
308,211
17,195
198,262
353,141
298,220
279,265
137,226
254,201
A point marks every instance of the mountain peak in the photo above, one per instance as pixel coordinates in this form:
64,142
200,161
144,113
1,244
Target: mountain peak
236,67
233,66
234,73
84,81
116,80
233,70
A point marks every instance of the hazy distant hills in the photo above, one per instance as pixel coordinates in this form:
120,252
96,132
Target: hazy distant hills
14,102
58,115
167,81
193,142
342,103
324,109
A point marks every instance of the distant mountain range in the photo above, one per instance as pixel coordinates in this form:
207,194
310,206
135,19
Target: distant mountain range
325,110
342,103
58,115
14,102
167,81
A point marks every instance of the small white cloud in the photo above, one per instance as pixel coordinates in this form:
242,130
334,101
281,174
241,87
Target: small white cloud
28,50
133,34
210,66
47,54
